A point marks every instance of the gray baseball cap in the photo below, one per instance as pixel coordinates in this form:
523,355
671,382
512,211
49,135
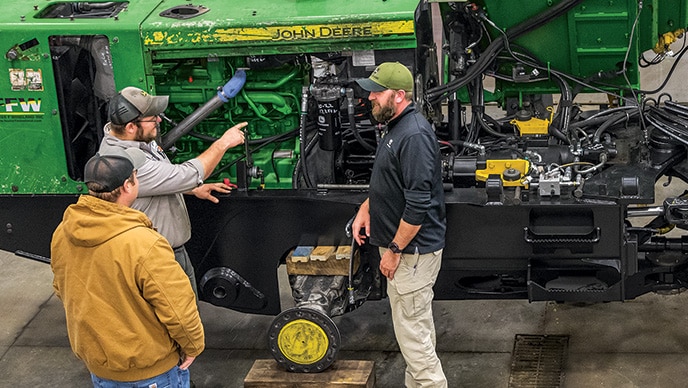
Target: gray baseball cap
132,103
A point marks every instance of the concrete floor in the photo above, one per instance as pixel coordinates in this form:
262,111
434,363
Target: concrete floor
639,343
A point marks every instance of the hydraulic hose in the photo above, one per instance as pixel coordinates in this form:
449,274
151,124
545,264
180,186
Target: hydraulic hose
350,286
302,165
614,119
478,104
436,94
600,117
352,121
565,104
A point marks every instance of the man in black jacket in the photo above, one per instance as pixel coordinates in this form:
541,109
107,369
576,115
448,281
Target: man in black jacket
404,216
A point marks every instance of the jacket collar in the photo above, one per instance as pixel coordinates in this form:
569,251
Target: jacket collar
409,109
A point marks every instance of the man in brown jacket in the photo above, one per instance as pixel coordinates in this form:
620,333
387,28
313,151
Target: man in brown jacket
131,313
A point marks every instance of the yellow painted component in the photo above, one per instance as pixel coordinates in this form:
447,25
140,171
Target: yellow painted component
284,33
498,167
665,40
534,126
303,342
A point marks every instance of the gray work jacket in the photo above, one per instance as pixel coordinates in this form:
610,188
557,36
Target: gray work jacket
161,185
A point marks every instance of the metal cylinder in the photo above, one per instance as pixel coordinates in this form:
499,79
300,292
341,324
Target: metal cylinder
220,286
329,120
329,125
190,121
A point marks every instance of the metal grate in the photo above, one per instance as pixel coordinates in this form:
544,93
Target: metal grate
538,360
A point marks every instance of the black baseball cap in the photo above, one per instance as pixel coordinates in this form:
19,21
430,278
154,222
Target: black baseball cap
112,168
132,103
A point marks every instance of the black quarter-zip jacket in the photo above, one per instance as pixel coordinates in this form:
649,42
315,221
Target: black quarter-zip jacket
406,183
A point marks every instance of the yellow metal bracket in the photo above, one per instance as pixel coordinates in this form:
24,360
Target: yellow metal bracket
534,126
665,40
511,171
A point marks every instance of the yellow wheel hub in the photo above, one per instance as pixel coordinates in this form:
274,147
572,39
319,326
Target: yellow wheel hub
303,342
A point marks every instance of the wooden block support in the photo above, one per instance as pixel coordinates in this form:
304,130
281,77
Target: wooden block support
302,254
343,252
322,253
329,267
342,374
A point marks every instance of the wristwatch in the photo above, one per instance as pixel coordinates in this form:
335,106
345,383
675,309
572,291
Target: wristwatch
394,247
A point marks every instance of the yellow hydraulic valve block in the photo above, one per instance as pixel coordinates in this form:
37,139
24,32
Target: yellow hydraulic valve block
665,40
534,126
511,171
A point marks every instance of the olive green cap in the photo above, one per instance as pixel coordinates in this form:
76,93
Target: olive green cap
389,75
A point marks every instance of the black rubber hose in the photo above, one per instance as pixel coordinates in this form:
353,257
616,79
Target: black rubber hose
302,138
616,118
436,94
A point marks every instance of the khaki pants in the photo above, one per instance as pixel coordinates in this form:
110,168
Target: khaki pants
410,297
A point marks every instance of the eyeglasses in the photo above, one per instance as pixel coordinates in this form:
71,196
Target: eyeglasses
153,120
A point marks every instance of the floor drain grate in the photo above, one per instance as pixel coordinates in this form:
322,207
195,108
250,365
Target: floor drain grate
538,361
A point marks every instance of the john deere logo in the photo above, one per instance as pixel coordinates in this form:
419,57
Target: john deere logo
351,31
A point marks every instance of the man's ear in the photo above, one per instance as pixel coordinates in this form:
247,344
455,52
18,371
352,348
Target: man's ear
399,96
130,128
128,186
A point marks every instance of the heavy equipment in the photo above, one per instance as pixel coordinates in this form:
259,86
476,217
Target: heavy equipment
550,199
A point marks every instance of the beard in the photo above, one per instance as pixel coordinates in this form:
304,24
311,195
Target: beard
141,136
383,113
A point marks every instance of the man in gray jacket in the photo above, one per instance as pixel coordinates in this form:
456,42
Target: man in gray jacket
134,121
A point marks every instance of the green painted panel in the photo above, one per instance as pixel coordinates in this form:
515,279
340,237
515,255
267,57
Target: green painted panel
266,27
43,49
658,17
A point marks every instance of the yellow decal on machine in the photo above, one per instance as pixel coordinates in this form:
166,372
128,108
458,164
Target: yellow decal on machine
284,33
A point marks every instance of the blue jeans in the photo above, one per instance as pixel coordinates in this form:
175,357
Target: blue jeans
173,378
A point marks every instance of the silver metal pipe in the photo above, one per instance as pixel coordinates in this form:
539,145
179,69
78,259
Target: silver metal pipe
645,211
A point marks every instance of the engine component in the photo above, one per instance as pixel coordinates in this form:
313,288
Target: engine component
229,90
304,340
222,286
